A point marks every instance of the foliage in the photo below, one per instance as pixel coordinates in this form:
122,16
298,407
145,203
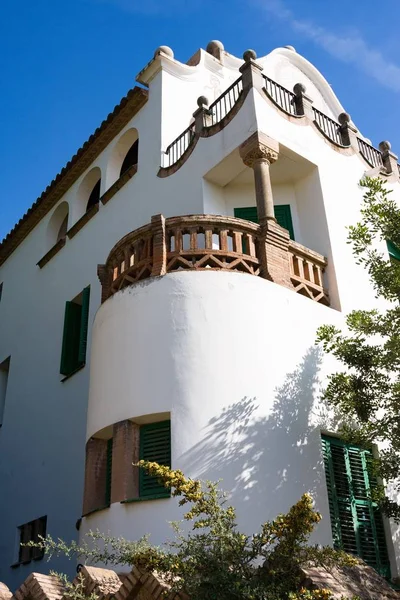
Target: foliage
214,560
367,393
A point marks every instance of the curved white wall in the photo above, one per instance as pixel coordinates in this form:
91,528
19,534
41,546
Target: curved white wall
231,357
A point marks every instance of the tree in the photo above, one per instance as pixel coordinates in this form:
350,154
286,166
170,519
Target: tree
367,393
214,560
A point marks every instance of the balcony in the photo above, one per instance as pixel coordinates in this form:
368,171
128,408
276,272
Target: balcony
213,242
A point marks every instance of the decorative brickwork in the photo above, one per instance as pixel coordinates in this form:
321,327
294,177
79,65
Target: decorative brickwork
199,242
125,477
94,496
360,581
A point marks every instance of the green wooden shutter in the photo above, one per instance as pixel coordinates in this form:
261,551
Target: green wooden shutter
249,213
393,250
71,336
155,446
357,524
283,216
83,330
108,471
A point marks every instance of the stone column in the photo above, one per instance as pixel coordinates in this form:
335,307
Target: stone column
258,153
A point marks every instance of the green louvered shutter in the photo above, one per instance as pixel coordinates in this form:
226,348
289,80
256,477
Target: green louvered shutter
83,331
71,338
283,216
357,524
108,471
393,250
249,213
155,446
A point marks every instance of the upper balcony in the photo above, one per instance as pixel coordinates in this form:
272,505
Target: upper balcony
213,242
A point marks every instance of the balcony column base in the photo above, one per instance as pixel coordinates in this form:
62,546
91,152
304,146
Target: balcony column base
273,247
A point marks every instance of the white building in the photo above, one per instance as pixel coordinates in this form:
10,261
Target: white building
197,347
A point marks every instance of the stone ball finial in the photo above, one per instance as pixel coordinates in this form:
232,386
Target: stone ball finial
215,47
292,48
385,146
299,89
165,50
344,118
249,55
202,101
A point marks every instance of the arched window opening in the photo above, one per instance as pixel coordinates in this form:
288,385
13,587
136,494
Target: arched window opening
62,232
94,197
131,158
58,225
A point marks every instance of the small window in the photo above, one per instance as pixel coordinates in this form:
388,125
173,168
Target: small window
283,216
1,290
73,355
30,532
94,197
357,524
155,446
131,157
4,371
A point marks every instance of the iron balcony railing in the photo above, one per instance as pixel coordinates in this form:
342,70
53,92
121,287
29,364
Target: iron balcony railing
284,98
224,104
179,146
329,127
372,155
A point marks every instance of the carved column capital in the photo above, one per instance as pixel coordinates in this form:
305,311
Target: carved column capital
263,153
259,147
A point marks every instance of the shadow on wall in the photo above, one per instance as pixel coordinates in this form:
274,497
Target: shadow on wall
267,462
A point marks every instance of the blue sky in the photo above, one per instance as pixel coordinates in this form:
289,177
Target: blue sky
66,63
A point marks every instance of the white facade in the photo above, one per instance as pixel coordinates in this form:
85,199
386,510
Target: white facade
229,356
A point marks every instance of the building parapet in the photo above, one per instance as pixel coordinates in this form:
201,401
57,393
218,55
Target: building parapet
213,242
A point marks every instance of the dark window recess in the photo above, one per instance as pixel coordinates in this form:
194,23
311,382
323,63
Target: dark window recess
357,524
131,158
155,446
283,216
30,532
4,371
73,354
94,197
62,232
1,290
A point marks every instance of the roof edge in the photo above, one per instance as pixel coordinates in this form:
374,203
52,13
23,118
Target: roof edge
135,99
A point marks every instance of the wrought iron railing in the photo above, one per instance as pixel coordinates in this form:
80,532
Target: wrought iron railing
329,127
197,242
179,146
224,104
372,155
284,98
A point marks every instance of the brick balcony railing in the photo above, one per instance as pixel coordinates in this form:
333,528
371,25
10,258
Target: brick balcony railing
199,242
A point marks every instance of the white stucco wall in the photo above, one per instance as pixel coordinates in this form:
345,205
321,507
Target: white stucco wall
232,358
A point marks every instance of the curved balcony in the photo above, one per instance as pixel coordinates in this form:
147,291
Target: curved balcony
199,242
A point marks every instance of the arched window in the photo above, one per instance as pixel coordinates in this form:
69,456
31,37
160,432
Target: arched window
62,232
94,197
58,225
131,157
123,156
89,191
